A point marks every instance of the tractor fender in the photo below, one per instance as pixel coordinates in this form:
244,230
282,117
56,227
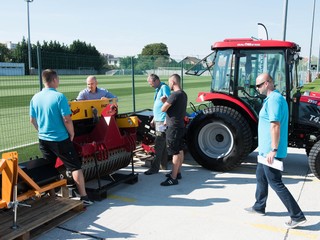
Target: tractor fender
208,96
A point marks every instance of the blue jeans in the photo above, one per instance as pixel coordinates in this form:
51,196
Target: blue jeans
267,175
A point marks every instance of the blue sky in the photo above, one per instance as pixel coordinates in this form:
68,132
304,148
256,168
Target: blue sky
187,27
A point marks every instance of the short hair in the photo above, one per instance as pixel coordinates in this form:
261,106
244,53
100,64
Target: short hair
176,78
267,77
48,75
92,77
154,77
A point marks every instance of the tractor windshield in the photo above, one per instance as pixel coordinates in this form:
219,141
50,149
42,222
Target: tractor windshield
254,62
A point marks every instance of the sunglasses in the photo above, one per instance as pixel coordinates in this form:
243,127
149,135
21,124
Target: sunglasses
260,84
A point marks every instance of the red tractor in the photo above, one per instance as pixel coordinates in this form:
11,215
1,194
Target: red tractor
224,129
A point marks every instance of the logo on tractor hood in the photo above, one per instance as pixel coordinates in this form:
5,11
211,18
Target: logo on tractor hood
315,119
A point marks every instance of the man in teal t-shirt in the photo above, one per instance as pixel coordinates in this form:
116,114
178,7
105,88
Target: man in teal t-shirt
158,122
50,114
272,144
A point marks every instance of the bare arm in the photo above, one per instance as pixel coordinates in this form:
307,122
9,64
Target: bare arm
165,107
275,137
69,125
275,134
34,123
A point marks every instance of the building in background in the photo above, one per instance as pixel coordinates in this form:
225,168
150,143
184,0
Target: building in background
112,60
10,45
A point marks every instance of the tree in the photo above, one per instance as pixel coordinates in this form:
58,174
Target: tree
125,63
59,56
83,48
153,55
155,49
5,55
20,54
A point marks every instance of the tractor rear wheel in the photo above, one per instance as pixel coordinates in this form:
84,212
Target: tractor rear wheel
314,159
219,138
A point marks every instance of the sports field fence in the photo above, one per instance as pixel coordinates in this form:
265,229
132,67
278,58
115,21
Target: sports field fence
129,83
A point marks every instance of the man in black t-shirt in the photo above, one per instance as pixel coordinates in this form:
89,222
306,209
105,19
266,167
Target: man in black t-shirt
175,107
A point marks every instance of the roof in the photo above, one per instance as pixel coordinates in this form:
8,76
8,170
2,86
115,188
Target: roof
251,43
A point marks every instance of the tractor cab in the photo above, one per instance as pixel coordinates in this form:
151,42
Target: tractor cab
235,64
222,134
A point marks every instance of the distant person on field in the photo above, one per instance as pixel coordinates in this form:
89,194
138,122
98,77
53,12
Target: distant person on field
93,92
50,114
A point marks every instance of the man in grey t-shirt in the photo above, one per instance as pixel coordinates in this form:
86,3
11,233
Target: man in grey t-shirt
92,92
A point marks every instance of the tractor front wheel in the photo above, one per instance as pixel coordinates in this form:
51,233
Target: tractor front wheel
219,138
314,159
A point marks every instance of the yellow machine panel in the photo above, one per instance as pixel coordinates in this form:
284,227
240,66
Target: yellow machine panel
83,109
128,122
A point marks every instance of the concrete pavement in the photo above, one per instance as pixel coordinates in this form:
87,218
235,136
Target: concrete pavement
204,205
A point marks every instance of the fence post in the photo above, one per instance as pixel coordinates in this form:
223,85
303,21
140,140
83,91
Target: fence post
39,66
182,74
133,88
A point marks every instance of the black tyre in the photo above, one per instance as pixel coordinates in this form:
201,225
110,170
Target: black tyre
314,159
219,139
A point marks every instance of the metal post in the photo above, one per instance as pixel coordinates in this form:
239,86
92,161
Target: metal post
133,88
309,61
182,74
15,206
29,43
39,66
318,71
285,11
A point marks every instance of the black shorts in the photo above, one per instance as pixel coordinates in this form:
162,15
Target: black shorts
64,150
174,138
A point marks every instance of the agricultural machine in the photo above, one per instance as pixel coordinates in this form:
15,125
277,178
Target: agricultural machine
105,142
224,130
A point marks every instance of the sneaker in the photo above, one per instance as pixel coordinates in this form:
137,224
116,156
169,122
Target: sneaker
254,211
179,176
150,172
294,224
169,182
86,201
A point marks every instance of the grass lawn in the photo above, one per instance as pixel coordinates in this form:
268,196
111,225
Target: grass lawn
16,92
313,86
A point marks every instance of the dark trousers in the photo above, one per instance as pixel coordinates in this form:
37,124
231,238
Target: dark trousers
267,175
161,155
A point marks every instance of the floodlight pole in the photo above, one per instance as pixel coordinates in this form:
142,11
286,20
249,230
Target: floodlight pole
309,61
285,11
29,43
318,66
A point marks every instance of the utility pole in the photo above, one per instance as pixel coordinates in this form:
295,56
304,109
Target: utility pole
285,11
309,60
29,43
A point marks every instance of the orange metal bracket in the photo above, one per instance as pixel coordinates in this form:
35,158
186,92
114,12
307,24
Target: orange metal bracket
10,172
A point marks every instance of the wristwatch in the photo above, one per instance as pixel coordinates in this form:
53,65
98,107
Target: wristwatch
274,149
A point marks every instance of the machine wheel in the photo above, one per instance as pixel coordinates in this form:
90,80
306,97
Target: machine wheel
219,139
314,159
